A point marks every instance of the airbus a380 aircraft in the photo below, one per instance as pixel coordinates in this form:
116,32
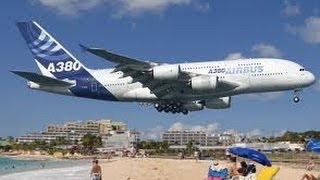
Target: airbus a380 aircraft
171,88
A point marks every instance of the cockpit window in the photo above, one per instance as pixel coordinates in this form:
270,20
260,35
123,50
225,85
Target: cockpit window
302,69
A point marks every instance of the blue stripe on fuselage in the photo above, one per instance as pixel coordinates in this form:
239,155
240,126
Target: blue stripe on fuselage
88,87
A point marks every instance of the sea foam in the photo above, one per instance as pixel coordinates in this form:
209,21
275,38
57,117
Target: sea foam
67,173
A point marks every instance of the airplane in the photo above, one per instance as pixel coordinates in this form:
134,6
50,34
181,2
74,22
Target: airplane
175,88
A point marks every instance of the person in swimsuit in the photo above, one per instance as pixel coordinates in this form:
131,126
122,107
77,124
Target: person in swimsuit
96,173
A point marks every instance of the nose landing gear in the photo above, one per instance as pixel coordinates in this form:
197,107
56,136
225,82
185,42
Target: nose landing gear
296,96
296,99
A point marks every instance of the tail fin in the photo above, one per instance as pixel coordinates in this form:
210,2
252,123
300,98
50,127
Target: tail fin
51,57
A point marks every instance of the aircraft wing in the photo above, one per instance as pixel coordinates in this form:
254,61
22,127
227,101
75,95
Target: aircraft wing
41,80
140,72
124,62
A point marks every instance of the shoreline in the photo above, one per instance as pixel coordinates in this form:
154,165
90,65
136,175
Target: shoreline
13,166
30,157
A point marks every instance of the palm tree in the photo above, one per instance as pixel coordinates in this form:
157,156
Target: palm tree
90,142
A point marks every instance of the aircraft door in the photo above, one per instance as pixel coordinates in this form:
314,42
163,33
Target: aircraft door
94,87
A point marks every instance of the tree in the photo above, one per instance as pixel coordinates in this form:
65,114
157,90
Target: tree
60,141
90,142
190,147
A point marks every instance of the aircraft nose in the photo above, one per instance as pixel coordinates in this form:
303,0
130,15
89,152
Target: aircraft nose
311,78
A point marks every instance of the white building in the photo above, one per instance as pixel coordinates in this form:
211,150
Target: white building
120,140
74,131
199,138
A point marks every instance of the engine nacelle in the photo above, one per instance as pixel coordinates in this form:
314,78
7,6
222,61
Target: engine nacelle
204,83
193,106
219,103
166,72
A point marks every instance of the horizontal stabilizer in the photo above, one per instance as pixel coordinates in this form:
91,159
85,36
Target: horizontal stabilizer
41,80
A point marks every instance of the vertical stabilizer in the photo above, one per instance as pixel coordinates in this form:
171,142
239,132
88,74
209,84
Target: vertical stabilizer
51,57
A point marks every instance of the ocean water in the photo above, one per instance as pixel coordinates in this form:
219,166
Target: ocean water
44,169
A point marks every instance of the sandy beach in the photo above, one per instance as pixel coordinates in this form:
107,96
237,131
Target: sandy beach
169,169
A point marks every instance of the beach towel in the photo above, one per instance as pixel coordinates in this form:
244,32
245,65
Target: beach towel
222,174
215,178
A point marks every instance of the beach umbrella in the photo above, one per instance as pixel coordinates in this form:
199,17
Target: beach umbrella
313,145
251,154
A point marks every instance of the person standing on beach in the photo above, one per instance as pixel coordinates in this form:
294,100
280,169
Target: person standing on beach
96,173
310,165
196,155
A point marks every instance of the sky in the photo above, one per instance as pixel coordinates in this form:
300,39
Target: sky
170,31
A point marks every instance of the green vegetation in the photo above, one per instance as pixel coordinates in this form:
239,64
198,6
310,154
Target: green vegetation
60,144
155,147
90,142
293,137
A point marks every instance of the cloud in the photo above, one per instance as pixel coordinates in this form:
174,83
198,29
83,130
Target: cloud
153,133
251,133
209,128
310,31
70,7
254,133
234,56
121,8
266,50
261,50
290,9
202,7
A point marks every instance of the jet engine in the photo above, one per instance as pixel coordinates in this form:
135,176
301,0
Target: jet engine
193,106
166,72
218,103
204,83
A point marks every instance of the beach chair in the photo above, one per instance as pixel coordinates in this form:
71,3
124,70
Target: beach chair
267,173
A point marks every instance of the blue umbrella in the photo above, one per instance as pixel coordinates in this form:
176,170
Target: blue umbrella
313,145
251,154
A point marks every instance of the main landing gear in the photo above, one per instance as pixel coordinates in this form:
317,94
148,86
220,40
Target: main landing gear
296,96
171,106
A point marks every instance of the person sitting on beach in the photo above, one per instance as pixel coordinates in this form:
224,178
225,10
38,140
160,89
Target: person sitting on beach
310,164
232,167
96,173
310,177
251,169
217,172
243,169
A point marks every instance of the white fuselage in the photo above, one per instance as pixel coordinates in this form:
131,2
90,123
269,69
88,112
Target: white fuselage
251,76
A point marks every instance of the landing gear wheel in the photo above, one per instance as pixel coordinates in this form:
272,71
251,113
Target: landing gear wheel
185,112
296,99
